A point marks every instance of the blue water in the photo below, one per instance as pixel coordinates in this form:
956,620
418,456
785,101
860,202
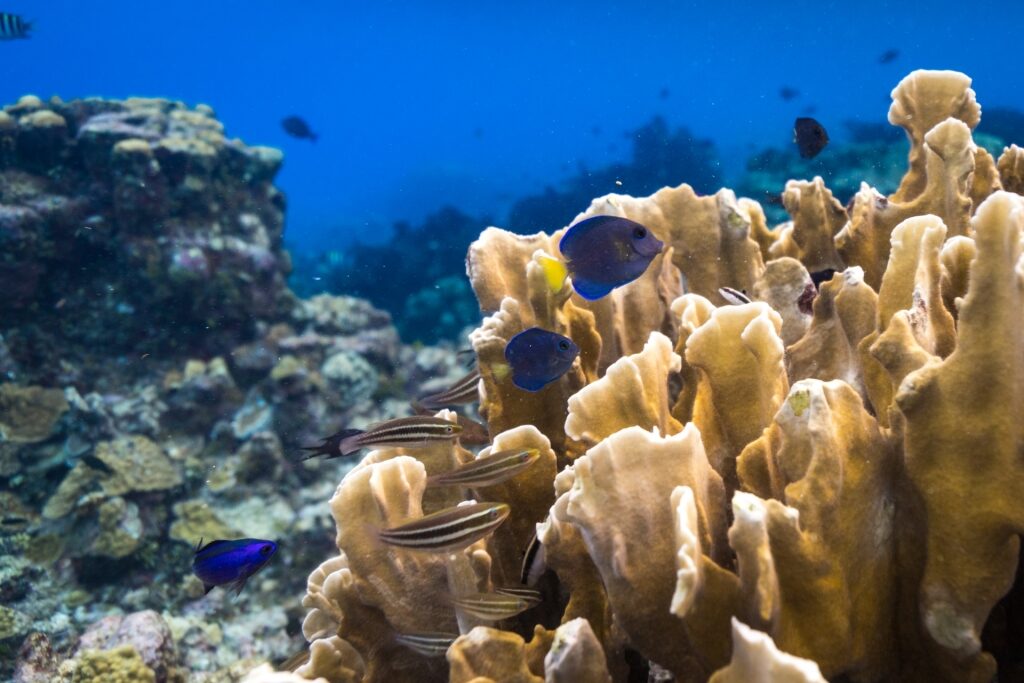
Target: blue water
478,104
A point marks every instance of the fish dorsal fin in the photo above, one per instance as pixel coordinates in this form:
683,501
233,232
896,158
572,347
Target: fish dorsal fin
200,548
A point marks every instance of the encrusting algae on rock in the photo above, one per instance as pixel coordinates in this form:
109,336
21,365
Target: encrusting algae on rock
818,484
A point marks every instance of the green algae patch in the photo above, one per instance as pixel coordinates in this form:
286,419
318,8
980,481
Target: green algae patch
799,401
30,414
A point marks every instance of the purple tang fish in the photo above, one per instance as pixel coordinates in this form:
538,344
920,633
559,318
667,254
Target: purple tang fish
605,252
230,563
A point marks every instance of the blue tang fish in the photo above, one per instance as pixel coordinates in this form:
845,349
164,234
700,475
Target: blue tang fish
602,253
538,357
230,563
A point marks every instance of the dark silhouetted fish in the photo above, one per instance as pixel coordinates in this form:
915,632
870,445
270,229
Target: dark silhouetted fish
95,463
13,27
810,137
230,563
664,93
298,128
602,253
889,56
410,432
787,93
538,357
820,276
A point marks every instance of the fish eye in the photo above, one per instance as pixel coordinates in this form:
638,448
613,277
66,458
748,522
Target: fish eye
448,429
640,232
564,345
265,550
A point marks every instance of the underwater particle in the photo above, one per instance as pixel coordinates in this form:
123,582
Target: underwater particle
602,253
538,357
421,431
664,93
889,56
230,563
489,470
298,128
448,530
810,137
788,93
13,27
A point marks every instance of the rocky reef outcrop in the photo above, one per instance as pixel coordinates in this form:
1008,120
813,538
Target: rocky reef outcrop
822,483
157,377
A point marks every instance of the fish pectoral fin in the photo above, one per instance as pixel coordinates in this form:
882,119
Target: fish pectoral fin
555,272
239,584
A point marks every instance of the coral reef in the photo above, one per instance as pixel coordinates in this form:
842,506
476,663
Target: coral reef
156,380
821,483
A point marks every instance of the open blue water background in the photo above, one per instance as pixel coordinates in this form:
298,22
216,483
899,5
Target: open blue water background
419,104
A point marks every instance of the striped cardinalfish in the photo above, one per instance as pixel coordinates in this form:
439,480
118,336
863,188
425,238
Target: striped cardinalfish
450,529
13,27
489,470
534,563
427,644
529,594
421,430
733,296
492,606
465,390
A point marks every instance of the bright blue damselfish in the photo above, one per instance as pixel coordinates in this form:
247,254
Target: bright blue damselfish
230,563
605,252
538,357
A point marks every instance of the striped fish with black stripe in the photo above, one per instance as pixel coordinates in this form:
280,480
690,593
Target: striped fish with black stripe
450,529
464,390
492,606
529,594
427,644
410,432
534,563
489,470
13,27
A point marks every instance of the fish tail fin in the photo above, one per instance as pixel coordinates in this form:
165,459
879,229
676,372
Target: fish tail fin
555,271
335,445
419,409
207,587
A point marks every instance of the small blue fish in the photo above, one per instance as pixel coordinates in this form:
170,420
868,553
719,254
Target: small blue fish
538,357
230,563
602,253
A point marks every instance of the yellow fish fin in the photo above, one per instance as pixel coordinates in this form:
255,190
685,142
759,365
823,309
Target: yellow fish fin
555,272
